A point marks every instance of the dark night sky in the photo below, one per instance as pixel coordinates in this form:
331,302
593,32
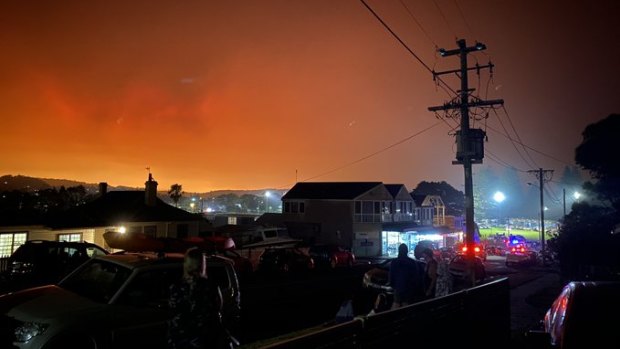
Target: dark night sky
244,94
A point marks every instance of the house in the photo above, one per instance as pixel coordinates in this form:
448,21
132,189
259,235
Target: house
424,210
133,211
370,218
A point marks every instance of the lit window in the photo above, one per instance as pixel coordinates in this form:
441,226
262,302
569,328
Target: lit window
9,242
73,237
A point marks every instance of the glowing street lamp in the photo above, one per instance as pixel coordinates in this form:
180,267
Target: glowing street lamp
577,195
267,195
499,197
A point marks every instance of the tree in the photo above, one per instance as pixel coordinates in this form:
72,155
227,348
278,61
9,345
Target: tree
584,242
484,185
597,154
175,193
452,198
249,202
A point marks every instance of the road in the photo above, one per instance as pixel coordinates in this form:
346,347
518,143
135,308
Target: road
279,305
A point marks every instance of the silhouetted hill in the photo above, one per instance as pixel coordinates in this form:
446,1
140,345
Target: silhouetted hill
25,183
9,183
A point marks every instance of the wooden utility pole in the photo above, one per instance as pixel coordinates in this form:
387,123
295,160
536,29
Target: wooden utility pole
470,147
542,176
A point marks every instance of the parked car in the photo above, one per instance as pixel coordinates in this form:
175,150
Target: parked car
284,260
243,266
520,255
377,278
479,250
582,316
331,256
113,301
41,262
458,268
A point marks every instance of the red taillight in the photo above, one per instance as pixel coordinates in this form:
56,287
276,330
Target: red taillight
464,248
476,249
522,249
513,249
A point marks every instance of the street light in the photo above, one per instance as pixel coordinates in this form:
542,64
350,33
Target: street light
577,195
267,195
499,197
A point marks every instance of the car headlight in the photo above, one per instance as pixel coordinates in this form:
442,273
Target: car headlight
29,330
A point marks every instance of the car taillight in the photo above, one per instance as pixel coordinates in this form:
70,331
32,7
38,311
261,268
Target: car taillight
464,249
513,250
522,249
476,249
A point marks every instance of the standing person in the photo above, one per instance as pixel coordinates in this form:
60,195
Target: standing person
444,279
195,302
405,279
430,273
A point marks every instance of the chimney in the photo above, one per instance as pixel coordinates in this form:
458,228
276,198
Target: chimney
150,195
103,188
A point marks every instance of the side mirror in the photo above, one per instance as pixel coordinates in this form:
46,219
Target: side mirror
538,339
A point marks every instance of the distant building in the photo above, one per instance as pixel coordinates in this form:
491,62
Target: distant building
134,211
370,218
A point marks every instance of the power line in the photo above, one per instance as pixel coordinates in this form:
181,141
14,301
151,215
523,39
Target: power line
387,27
501,162
516,133
513,142
373,154
530,148
444,18
419,24
471,32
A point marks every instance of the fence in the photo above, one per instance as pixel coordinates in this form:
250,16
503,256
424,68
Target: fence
478,317
4,264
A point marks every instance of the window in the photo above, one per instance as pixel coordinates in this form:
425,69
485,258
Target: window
150,230
9,242
182,230
294,207
369,211
72,237
150,288
232,220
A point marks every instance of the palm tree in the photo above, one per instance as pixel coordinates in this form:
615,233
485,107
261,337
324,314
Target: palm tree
175,192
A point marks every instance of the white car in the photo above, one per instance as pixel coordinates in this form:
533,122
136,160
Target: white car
113,301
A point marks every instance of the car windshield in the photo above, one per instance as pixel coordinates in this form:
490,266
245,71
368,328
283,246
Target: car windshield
97,280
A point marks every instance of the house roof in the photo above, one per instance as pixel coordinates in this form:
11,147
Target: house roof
120,206
418,199
329,190
394,188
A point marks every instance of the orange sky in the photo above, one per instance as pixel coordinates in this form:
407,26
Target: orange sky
245,94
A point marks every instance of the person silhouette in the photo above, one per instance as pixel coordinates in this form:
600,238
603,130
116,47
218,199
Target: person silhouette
196,302
406,279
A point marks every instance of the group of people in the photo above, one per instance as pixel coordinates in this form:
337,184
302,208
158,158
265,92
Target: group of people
414,281
196,305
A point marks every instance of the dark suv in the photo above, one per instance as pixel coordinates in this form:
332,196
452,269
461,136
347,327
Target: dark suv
331,256
284,260
40,262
